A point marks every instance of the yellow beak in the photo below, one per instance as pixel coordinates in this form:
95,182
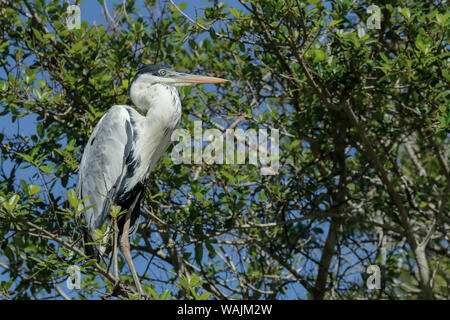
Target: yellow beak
183,78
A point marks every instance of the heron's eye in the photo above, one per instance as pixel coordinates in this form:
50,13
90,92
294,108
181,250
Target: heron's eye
162,72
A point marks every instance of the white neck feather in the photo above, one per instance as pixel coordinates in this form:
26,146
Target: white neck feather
163,116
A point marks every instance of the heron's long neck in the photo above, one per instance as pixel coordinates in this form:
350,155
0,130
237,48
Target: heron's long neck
164,106
155,130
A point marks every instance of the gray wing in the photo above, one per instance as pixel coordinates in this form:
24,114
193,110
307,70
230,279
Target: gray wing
103,162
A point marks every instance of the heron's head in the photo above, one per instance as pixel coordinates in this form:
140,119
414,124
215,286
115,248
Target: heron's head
149,76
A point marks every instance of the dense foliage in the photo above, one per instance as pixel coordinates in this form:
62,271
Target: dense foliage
363,118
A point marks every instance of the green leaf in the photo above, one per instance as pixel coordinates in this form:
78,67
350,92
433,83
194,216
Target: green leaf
33,189
24,186
37,34
406,13
164,295
295,144
204,296
184,281
231,178
152,292
194,281
11,203
212,33
26,157
115,211
334,22
45,169
235,12
73,199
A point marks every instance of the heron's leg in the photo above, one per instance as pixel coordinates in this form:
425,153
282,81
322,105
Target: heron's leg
125,247
115,251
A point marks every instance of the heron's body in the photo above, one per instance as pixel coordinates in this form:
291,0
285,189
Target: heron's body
121,152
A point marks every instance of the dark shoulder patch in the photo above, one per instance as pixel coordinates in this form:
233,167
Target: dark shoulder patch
130,140
131,161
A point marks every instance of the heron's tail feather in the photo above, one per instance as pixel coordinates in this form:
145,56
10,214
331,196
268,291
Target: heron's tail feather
93,251
89,249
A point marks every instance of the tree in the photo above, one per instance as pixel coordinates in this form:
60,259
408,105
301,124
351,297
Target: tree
357,91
